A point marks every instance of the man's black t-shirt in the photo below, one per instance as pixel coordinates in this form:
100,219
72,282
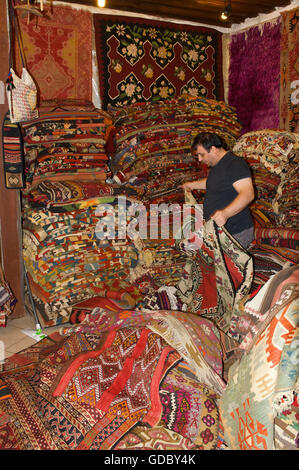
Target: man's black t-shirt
220,191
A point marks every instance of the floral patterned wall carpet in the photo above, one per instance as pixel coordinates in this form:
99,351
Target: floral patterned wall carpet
146,60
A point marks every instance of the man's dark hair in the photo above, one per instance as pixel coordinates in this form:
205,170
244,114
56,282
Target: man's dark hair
207,140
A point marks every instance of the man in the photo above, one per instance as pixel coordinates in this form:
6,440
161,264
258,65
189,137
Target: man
229,187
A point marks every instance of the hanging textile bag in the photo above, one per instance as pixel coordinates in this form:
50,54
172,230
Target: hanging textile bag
21,91
13,154
22,97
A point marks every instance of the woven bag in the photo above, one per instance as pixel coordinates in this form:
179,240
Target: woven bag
21,91
22,98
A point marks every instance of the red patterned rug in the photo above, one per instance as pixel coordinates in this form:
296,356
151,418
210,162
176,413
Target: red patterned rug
58,52
146,60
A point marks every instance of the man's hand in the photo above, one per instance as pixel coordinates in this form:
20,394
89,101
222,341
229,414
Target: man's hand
187,186
220,217
199,185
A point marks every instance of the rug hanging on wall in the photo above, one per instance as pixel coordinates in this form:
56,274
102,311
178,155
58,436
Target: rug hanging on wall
146,60
254,76
58,52
289,66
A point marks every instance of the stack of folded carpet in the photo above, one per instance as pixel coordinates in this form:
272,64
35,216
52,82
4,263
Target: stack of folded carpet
286,201
72,246
66,145
68,259
151,143
71,257
273,157
66,169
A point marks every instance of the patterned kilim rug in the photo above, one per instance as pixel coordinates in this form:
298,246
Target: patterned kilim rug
259,407
146,60
89,389
289,71
57,49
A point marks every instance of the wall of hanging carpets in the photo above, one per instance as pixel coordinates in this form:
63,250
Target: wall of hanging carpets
58,49
149,60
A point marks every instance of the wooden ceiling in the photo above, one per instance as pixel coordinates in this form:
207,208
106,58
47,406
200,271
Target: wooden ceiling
199,11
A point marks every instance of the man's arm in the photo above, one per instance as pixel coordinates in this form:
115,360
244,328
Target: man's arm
245,190
199,184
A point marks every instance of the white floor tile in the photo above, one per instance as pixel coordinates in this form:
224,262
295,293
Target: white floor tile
14,339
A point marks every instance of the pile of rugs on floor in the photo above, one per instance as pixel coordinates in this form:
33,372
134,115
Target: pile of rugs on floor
89,168
151,397
66,167
136,380
192,353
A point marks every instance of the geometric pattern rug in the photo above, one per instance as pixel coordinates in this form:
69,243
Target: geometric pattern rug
145,60
58,49
47,394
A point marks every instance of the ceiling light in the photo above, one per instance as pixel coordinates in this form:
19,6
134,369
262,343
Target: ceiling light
227,11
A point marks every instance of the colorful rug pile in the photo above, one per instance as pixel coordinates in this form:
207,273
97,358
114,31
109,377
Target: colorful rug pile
273,158
67,263
151,143
259,407
66,169
113,385
62,145
87,171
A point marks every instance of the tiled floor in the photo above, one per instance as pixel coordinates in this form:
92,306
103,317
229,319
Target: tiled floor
14,339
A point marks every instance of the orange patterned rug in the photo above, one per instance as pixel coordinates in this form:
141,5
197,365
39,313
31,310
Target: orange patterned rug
58,52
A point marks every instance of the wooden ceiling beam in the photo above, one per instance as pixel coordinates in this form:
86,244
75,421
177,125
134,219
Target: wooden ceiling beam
194,7
186,16
162,9
199,11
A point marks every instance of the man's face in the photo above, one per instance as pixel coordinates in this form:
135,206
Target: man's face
205,156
